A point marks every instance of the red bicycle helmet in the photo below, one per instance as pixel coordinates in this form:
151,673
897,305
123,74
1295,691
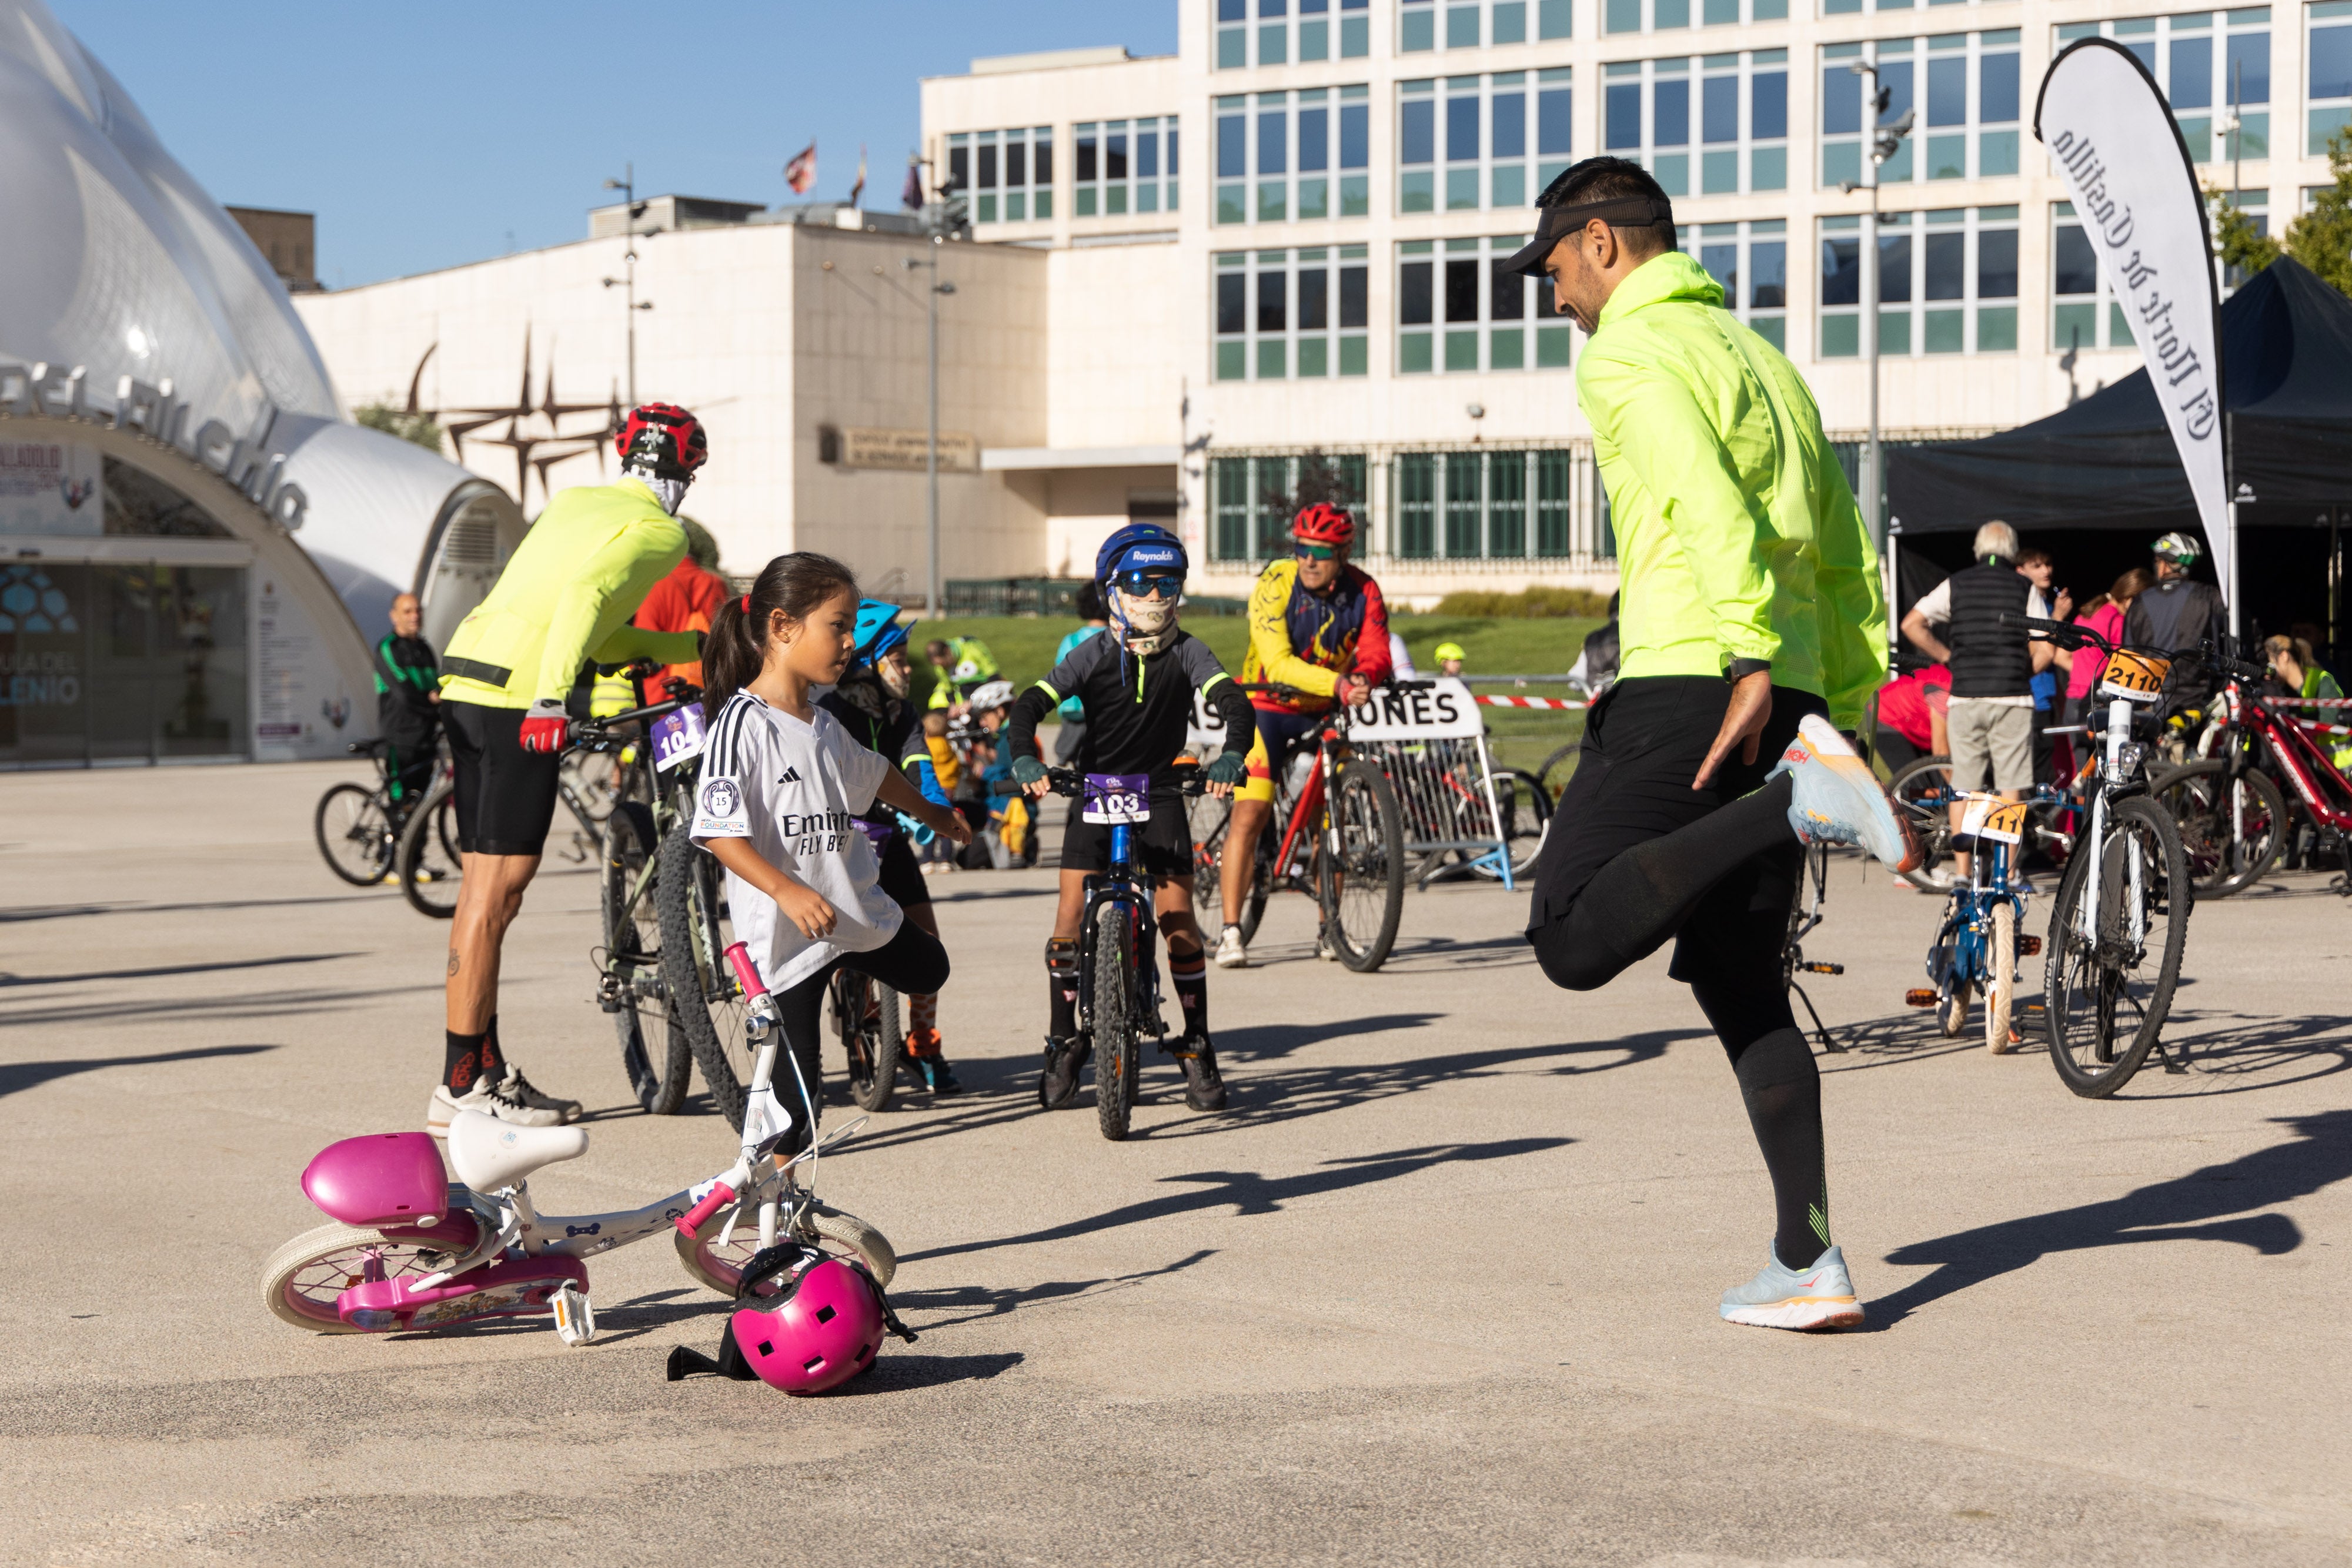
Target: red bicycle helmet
1323,524
663,437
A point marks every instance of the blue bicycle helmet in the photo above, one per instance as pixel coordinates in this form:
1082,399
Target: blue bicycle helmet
1138,545
878,630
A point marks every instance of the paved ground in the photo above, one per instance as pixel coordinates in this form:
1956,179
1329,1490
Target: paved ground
1439,1289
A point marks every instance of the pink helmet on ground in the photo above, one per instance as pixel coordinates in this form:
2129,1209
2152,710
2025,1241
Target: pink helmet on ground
820,1332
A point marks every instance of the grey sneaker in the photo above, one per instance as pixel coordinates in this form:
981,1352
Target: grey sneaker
490,1100
1231,953
515,1086
1838,799
1821,1297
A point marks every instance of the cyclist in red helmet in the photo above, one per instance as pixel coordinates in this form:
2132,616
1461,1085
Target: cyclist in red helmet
516,673
1317,623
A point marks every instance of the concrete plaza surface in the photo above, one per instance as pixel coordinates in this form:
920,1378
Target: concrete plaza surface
1438,1288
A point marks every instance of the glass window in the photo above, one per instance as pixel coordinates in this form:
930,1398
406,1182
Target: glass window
1739,120
1963,88
1129,166
1751,262
1456,312
1275,318
1482,123
2207,60
1275,156
1946,283
1672,15
2084,311
1249,500
1008,175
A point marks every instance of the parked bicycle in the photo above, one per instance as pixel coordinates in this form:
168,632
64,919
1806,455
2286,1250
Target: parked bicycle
2119,923
1341,842
1118,965
1975,952
2234,817
412,1250
1804,915
358,825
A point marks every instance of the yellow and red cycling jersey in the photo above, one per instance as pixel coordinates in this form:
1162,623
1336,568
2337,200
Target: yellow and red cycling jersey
1309,640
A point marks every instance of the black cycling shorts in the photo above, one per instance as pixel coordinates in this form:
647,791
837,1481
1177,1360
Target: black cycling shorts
1163,849
902,875
506,796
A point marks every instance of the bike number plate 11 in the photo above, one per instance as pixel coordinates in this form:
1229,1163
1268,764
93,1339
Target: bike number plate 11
2000,820
678,737
1118,797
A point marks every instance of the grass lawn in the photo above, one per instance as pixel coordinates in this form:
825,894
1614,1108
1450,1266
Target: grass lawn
1024,646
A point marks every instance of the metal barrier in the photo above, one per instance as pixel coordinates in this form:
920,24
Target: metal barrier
1432,745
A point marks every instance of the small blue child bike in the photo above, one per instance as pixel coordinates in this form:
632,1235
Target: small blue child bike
1976,951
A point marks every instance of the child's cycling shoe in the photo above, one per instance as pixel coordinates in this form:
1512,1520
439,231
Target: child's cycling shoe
936,1076
1064,1060
1204,1086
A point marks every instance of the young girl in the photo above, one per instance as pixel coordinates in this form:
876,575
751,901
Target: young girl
782,784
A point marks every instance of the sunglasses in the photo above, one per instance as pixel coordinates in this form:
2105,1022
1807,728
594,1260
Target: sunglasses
1314,552
1151,584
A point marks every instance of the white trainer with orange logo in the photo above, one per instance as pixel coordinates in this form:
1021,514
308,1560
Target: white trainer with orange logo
1821,1297
1839,800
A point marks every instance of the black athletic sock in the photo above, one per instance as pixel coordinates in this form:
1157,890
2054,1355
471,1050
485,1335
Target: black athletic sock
493,1059
1191,973
1783,1091
463,1064
1062,987
1638,900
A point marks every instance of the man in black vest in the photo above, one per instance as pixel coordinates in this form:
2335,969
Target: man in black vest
1993,664
408,702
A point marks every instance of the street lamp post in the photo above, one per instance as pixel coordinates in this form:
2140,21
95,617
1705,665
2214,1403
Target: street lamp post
1885,141
627,281
942,215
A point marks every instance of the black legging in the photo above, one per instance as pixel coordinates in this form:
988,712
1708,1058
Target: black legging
913,963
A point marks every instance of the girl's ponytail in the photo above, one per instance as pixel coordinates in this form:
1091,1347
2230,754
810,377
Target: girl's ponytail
793,585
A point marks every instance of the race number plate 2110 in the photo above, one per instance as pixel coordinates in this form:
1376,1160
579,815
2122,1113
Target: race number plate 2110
1118,797
678,737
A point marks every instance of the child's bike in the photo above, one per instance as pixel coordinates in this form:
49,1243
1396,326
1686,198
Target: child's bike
1976,950
411,1250
1119,966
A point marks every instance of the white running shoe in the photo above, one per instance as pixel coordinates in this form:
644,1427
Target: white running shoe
1837,800
1821,1297
490,1100
515,1086
1232,952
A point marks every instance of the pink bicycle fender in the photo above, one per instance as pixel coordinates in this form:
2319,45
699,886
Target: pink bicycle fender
720,1197
747,975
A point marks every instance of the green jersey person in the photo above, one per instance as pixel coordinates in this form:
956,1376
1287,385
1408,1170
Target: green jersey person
960,665
1753,631
561,606
407,701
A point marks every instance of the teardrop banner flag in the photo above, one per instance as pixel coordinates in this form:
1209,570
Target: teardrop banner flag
2136,192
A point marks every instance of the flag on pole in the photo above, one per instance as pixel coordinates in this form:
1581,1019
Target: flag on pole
858,189
2125,163
801,173
910,195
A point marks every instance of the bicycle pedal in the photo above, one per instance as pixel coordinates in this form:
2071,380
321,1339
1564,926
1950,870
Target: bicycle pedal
2028,946
1918,999
1823,969
575,1320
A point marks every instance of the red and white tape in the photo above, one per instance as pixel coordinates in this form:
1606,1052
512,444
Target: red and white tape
1530,702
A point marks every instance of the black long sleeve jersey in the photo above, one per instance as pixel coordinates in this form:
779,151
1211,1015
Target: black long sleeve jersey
1137,705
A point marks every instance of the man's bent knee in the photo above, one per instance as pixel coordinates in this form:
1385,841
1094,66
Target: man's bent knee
1570,959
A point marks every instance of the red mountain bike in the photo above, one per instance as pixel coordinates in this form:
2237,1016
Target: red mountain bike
2233,813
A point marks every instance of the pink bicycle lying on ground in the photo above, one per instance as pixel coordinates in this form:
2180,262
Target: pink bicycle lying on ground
412,1250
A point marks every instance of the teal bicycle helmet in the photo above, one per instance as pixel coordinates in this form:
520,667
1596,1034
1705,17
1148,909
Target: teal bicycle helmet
878,630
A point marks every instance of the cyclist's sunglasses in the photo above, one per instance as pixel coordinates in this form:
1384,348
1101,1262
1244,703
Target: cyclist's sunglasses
1151,584
1313,552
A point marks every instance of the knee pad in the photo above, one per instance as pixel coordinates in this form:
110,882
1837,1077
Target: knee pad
1062,958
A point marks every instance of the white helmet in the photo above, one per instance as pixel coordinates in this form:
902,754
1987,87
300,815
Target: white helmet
991,694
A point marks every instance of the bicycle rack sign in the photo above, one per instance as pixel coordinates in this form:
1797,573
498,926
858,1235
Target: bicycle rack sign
1432,743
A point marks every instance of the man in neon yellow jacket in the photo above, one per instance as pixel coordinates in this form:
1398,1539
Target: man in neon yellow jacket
561,606
1752,631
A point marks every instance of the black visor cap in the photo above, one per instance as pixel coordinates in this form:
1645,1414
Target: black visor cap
1618,211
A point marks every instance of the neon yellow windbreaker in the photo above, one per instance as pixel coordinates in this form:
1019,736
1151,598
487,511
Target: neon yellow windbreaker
1736,534
565,598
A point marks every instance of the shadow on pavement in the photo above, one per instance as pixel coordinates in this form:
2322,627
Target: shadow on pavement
2237,1055
73,911
1248,1193
898,1370
2210,1203
981,1301
248,1005
9,982
20,1075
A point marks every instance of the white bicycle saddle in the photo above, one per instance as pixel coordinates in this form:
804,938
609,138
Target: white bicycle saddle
489,1154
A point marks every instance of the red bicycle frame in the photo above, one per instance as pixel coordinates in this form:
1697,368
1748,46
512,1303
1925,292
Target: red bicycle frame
2314,777
1305,811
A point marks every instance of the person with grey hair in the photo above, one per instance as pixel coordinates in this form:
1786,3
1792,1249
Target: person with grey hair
1980,608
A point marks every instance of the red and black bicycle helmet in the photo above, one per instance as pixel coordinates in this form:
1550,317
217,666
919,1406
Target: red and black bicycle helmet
663,437
1324,524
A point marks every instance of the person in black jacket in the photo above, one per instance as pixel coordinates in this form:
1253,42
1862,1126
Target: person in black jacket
1993,662
407,701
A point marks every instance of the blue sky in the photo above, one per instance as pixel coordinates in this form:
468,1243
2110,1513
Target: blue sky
430,133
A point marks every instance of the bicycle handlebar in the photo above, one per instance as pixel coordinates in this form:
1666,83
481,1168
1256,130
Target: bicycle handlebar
747,974
1071,782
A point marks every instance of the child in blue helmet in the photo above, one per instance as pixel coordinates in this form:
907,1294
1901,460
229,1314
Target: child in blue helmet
1135,683
873,703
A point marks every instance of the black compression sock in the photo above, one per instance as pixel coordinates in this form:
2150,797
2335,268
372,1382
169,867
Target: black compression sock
1062,987
1782,1089
493,1059
1191,973
462,1063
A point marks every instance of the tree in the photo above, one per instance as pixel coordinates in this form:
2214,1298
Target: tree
2238,239
2322,238
421,428
1321,481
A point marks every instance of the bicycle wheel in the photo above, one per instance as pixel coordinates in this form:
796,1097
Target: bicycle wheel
865,1015
594,778
2231,833
719,1267
706,1004
1261,887
302,1279
428,863
653,1049
2000,989
1208,816
354,833
1558,769
1116,1026
1361,867
2104,995
1910,790
1952,1012
1525,811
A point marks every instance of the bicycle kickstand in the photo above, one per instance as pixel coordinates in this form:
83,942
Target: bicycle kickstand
1820,1031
